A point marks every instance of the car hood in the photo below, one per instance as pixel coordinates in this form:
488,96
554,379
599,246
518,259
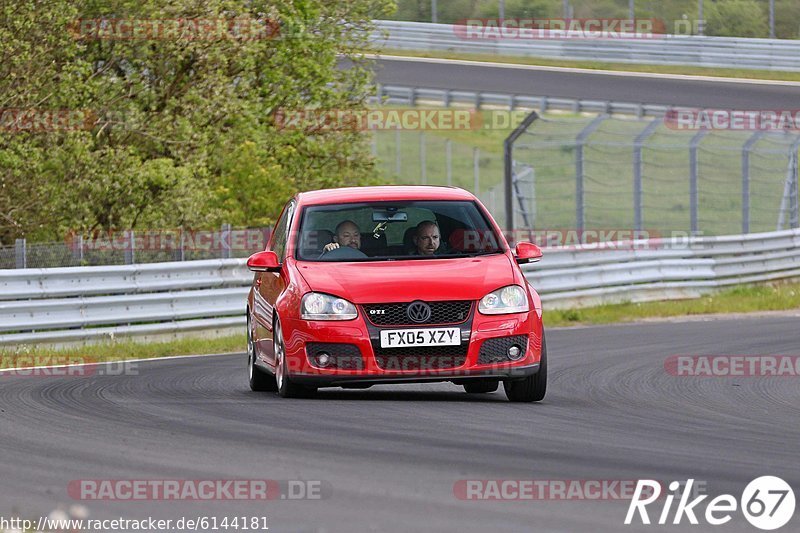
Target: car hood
425,279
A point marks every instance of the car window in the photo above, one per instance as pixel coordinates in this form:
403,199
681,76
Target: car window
387,230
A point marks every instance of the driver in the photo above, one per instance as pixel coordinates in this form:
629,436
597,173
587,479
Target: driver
347,234
427,238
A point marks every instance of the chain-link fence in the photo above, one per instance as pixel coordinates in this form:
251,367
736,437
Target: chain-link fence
613,172
584,170
133,247
423,158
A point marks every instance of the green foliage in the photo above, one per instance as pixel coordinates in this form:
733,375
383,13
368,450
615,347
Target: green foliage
522,9
787,19
736,18
455,10
183,130
600,8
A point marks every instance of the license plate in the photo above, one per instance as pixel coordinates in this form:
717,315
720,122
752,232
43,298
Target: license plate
403,338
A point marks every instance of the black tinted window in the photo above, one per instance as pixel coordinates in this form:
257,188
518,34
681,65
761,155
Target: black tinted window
394,230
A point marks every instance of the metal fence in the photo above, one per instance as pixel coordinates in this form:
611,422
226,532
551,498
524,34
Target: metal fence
67,305
716,52
603,165
135,247
614,172
78,304
420,158
413,96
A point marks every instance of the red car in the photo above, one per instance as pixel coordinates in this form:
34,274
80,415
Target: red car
395,284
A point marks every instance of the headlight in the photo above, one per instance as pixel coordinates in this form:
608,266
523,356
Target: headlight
318,306
511,299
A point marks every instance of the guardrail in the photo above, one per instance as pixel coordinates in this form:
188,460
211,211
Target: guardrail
403,95
663,269
65,305
726,52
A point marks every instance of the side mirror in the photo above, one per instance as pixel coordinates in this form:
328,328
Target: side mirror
264,262
527,252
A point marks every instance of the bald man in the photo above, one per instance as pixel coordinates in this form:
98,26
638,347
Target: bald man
427,238
347,234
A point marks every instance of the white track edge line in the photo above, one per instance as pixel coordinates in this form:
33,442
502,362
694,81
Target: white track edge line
166,358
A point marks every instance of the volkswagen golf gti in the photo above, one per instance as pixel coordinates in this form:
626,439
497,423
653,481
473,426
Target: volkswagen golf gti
393,284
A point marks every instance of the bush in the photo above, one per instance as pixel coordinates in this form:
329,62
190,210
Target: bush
179,132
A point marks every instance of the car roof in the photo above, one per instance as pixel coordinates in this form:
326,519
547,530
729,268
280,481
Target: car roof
382,193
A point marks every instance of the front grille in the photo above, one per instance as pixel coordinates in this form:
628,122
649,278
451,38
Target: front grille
422,357
394,314
343,356
495,350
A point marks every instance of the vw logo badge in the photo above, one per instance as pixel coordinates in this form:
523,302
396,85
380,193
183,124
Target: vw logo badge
419,312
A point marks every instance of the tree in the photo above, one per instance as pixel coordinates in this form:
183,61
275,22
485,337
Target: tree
180,127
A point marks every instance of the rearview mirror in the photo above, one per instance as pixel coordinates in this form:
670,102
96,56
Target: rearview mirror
527,252
389,216
264,262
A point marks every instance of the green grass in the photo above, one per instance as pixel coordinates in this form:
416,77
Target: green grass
599,65
120,350
741,299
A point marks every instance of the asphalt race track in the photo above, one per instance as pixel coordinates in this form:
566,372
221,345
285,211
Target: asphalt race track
390,456
619,87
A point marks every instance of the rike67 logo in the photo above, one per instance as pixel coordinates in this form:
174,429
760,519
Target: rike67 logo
767,503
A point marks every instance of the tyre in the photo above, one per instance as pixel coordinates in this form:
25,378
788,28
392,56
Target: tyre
533,388
286,388
259,379
481,386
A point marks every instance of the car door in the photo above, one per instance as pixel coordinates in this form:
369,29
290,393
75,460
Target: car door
270,285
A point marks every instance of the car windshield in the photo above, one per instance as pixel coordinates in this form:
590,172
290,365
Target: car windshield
386,231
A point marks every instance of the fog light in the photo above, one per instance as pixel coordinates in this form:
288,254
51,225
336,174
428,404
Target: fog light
515,353
323,359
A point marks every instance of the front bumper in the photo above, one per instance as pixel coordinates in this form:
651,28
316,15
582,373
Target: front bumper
372,369
339,380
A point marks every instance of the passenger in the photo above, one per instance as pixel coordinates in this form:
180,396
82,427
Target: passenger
427,238
347,234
